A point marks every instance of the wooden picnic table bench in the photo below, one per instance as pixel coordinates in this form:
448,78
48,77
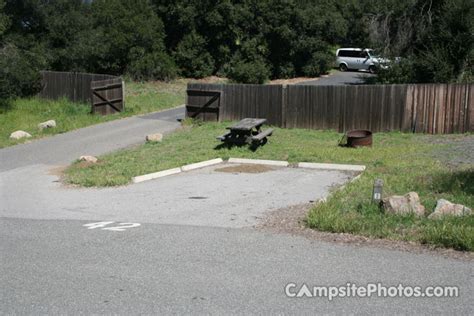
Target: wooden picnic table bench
247,131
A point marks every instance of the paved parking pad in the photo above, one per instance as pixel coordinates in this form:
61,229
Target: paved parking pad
225,195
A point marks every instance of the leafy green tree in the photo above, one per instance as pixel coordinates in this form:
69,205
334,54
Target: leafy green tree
126,25
449,43
19,72
70,35
4,20
192,57
62,29
319,26
19,68
151,66
442,48
244,71
156,39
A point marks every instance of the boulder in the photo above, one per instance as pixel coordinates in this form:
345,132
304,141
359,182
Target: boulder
47,124
154,137
90,159
19,134
444,207
406,204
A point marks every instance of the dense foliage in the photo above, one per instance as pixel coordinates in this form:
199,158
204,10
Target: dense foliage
248,41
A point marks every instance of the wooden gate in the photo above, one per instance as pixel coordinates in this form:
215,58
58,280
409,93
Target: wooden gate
203,105
107,96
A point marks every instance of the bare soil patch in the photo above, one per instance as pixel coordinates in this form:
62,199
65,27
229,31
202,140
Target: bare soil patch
57,171
210,79
86,164
292,220
246,169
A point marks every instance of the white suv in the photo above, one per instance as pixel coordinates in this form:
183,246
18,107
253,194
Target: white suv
358,58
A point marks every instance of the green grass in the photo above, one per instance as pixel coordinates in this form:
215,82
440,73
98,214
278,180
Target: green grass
404,161
25,114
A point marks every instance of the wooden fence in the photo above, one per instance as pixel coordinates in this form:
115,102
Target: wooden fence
107,96
439,108
84,88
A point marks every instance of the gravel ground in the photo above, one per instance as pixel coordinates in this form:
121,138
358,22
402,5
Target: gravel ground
458,151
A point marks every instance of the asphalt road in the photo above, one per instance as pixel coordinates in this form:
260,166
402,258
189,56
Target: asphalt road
93,140
340,78
59,267
148,257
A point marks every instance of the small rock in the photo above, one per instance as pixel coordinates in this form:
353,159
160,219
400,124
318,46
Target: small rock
444,207
47,124
409,203
154,137
90,159
19,134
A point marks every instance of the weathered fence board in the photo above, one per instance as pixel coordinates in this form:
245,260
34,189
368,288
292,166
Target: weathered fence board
236,101
440,109
204,102
74,86
107,96
424,108
104,92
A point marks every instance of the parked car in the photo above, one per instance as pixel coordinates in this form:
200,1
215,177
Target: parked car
358,58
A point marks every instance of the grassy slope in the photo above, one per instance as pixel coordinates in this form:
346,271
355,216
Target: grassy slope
25,114
403,161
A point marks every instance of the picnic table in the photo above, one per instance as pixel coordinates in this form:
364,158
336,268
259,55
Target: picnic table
247,131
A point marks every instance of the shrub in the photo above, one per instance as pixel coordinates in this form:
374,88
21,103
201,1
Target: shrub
151,66
320,63
397,73
242,71
193,58
285,71
19,72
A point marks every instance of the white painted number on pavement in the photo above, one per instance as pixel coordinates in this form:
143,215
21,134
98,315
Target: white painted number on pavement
119,228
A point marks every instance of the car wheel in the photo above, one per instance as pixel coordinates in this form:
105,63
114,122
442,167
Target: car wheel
372,69
342,67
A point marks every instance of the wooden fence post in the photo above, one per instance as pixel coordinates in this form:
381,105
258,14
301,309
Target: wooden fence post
284,103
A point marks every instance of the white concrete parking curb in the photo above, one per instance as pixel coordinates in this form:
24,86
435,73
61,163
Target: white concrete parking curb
168,172
259,162
202,164
330,166
156,175
280,163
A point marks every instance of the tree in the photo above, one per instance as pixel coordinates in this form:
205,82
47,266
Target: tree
4,20
155,39
151,65
19,72
442,48
127,25
70,36
19,68
192,57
